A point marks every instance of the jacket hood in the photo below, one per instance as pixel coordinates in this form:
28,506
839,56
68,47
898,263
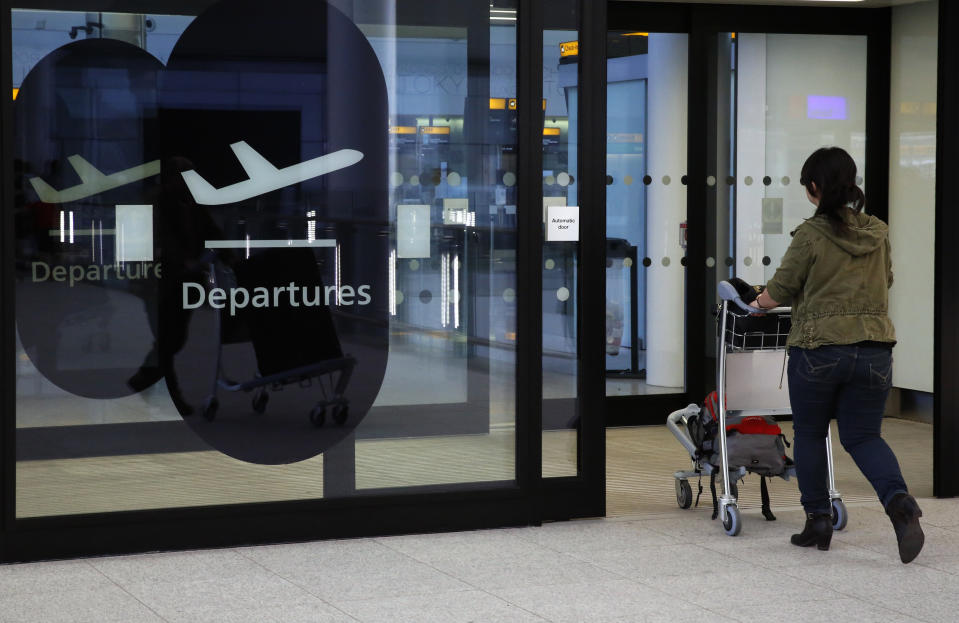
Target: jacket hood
866,232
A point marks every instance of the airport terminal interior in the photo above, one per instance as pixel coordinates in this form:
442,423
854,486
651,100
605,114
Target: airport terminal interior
133,396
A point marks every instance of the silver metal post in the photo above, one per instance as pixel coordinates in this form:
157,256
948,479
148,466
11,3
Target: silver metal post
727,497
833,493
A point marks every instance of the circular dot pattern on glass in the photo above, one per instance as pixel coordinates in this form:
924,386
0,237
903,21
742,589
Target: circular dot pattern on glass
729,261
396,179
786,180
711,180
767,181
454,179
647,179
748,261
399,297
628,262
549,180
684,180
415,180
509,179
509,295
414,264
609,180
564,179
666,180
710,262
682,260
628,180
748,181
550,264
563,293
767,261
647,262
426,296
859,180
665,261
730,180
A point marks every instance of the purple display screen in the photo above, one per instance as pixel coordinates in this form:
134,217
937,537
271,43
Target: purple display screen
825,107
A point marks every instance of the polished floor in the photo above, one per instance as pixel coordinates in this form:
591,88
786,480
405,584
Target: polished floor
648,561
640,466
672,567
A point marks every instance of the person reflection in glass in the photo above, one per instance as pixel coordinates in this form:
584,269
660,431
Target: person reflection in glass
183,226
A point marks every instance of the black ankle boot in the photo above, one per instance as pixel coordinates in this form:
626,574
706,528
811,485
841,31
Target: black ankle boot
818,531
904,512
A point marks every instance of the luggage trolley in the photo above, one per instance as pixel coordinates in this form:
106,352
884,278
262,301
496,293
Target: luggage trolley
750,381
295,346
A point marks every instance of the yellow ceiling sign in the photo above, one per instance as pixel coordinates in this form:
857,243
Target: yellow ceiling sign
551,132
438,129
496,103
569,48
15,92
402,129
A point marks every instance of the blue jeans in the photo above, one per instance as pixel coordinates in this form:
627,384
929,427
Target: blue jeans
850,384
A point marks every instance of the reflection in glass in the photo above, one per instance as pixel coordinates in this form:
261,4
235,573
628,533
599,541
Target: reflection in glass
445,411
561,258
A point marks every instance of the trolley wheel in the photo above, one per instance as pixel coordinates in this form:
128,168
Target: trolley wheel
340,413
684,494
840,517
260,398
210,407
318,415
732,523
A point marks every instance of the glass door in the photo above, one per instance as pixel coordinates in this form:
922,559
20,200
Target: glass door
710,115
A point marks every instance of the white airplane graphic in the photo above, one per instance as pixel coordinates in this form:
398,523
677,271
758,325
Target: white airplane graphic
92,180
263,176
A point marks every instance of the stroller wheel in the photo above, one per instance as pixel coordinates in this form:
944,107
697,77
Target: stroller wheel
210,407
318,415
260,398
340,413
732,523
684,494
839,515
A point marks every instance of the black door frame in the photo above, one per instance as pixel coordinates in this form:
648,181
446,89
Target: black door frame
946,295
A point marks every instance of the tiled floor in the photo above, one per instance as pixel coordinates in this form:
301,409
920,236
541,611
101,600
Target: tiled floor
653,562
674,567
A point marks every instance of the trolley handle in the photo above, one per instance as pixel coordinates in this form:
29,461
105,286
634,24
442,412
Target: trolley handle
728,292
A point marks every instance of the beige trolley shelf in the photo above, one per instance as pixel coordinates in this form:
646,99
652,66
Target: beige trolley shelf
750,381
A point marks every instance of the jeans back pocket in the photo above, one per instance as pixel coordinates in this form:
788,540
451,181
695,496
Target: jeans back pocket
817,366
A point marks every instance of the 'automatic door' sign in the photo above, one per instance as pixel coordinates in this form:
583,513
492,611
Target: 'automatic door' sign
217,226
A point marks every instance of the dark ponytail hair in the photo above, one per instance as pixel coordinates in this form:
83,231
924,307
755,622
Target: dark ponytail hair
833,171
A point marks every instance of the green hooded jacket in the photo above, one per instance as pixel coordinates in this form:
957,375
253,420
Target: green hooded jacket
838,285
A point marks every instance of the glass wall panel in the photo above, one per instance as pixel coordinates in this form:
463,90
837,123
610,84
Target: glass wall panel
775,98
646,213
791,100
263,253
560,253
